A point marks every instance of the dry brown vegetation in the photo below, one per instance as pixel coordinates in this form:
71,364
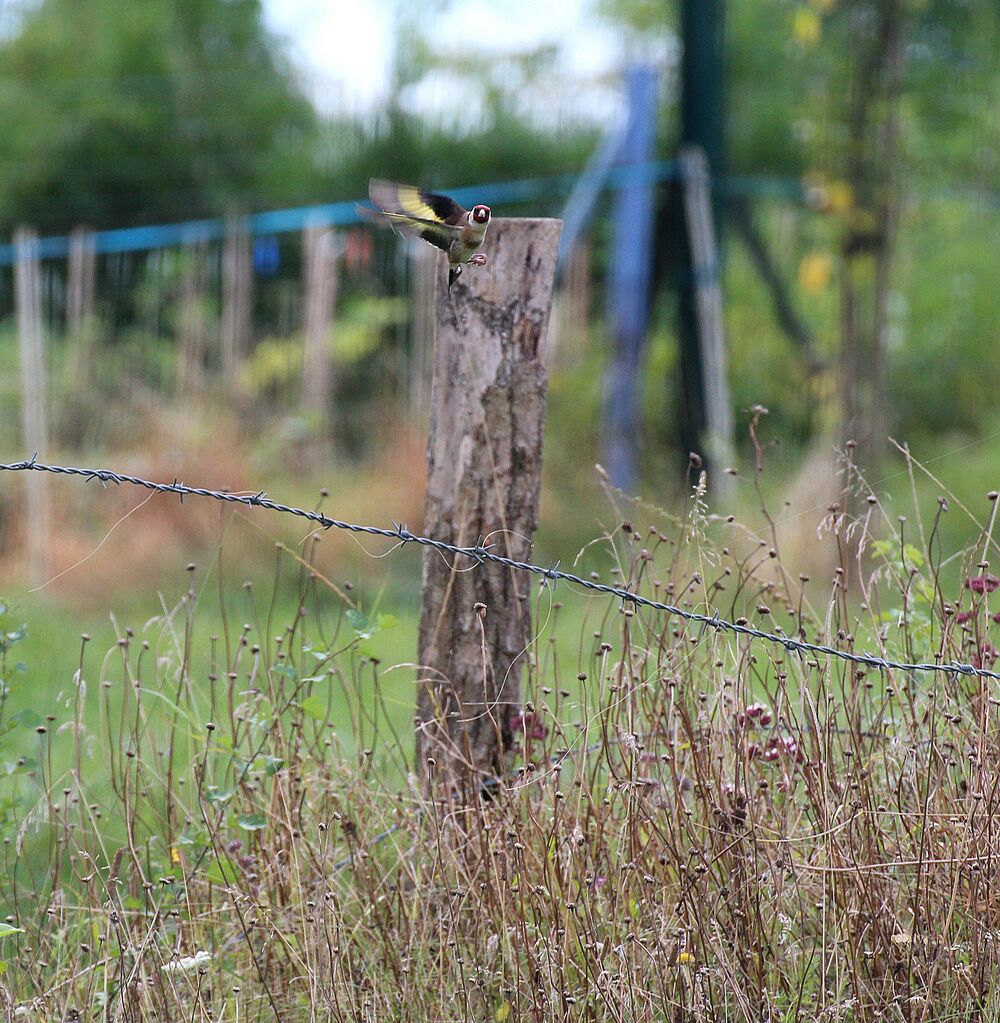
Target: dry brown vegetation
696,826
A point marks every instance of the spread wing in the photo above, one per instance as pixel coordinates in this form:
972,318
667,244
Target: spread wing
410,210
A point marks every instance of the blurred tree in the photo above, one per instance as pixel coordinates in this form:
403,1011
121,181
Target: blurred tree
880,108
457,114
115,114
878,38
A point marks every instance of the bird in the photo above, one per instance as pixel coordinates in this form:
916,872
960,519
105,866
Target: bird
437,219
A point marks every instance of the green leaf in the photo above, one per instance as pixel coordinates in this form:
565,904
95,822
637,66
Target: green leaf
27,718
913,556
272,765
359,623
217,795
252,821
315,707
285,669
8,929
3,967
387,621
222,871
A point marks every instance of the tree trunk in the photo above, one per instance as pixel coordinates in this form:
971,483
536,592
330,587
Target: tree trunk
867,241
484,460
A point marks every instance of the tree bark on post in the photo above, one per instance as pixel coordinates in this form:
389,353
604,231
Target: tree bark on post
484,460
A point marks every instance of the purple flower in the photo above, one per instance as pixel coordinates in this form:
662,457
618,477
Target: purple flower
982,583
985,656
530,724
755,714
964,616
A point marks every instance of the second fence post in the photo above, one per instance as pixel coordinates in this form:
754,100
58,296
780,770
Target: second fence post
484,461
34,405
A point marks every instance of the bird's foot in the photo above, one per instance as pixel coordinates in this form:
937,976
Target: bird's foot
479,259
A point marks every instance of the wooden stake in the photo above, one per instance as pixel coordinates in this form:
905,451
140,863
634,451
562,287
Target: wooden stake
320,259
193,318
237,300
34,419
484,461
423,273
81,283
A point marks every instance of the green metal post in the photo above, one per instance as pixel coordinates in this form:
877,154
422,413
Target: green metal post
701,123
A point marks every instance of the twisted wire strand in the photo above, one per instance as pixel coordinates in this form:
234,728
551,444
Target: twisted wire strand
482,553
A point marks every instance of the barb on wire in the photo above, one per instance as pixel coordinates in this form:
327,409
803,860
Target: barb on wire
481,553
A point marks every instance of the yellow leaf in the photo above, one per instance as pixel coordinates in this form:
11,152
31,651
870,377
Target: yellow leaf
503,1011
685,959
839,196
815,272
175,854
806,27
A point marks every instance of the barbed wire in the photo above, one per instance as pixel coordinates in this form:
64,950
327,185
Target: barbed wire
484,553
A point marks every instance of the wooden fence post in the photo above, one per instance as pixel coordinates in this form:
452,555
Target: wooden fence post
81,277
193,318
34,418
484,460
237,299
319,244
423,268
708,305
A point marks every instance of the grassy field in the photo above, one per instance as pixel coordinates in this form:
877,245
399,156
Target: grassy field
218,816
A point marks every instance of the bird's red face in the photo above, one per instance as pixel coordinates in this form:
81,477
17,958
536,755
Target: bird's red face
481,214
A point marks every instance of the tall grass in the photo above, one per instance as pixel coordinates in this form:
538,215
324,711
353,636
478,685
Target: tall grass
694,826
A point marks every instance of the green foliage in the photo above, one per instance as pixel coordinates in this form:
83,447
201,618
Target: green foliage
161,110
274,369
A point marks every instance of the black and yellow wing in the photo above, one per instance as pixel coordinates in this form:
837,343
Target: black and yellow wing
412,211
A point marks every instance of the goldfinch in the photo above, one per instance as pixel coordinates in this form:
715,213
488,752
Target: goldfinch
436,218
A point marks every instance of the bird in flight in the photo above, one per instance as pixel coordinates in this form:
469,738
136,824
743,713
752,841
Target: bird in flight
436,218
